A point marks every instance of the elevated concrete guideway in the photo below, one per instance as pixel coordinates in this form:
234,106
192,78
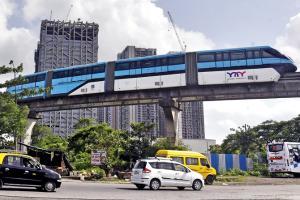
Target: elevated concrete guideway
169,98
288,86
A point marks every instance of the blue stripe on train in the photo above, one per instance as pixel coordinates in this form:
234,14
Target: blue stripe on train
65,87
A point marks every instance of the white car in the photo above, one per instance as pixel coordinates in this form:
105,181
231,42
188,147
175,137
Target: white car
163,172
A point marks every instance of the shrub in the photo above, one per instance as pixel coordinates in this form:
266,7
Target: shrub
233,172
82,161
96,172
261,168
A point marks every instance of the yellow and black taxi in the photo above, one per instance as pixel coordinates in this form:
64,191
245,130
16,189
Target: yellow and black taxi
17,169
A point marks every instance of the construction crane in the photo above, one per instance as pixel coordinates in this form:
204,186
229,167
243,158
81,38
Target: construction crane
182,45
71,6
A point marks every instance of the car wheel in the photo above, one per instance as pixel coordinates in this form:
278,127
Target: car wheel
209,180
197,185
154,184
180,188
140,186
49,186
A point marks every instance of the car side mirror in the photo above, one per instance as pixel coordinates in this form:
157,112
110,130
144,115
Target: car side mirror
207,165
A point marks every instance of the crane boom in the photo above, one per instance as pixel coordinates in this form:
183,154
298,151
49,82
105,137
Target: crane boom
183,47
69,11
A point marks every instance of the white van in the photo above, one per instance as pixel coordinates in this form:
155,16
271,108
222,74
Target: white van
284,157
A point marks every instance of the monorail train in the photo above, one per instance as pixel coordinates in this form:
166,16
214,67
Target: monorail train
227,66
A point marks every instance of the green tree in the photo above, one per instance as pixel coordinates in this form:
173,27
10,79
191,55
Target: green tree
39,132
136,143
53,142
13,118
216,149
165,143
97,137
84,122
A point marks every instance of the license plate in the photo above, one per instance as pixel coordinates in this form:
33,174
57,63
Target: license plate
136,172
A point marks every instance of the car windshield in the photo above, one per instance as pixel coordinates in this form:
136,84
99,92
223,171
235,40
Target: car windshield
275,147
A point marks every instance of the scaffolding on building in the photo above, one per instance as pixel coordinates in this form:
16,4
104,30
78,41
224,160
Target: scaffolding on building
64,44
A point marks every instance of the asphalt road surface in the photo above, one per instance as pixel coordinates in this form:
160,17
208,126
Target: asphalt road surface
93,190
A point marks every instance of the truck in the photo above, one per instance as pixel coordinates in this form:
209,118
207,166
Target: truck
284,157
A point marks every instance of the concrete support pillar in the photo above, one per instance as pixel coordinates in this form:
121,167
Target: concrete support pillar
29,128
171,121
32,119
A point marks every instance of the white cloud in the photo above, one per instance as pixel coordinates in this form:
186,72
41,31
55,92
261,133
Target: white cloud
289,42
15,43
220,116
121,23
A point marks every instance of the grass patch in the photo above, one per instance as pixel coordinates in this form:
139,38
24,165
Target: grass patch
113,180
228,179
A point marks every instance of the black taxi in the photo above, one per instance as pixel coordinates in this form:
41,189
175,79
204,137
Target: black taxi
22,170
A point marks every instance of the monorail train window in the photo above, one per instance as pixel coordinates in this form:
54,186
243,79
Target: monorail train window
225,56
206,57
266,54
237,55
40,77
30,79
162,62
148,63
79,72
275,53
61,74
219,57
134,65
122,66
98,69
256,54
249,54
176,60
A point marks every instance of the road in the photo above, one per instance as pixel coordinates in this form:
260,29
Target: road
92,190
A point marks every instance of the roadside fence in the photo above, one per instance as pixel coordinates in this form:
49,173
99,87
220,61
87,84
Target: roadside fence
230,161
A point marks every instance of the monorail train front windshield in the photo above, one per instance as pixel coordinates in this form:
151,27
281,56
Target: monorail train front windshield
275,147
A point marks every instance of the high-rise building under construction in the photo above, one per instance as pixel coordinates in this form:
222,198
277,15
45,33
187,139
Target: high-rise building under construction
64,44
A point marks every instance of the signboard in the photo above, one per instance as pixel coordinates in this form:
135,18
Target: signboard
98,157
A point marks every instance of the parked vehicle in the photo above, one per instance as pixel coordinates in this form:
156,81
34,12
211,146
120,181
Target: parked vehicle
162,172
284,157
193,160
23,170
55,160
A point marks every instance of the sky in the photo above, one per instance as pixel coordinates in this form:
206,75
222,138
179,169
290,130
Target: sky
201,24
